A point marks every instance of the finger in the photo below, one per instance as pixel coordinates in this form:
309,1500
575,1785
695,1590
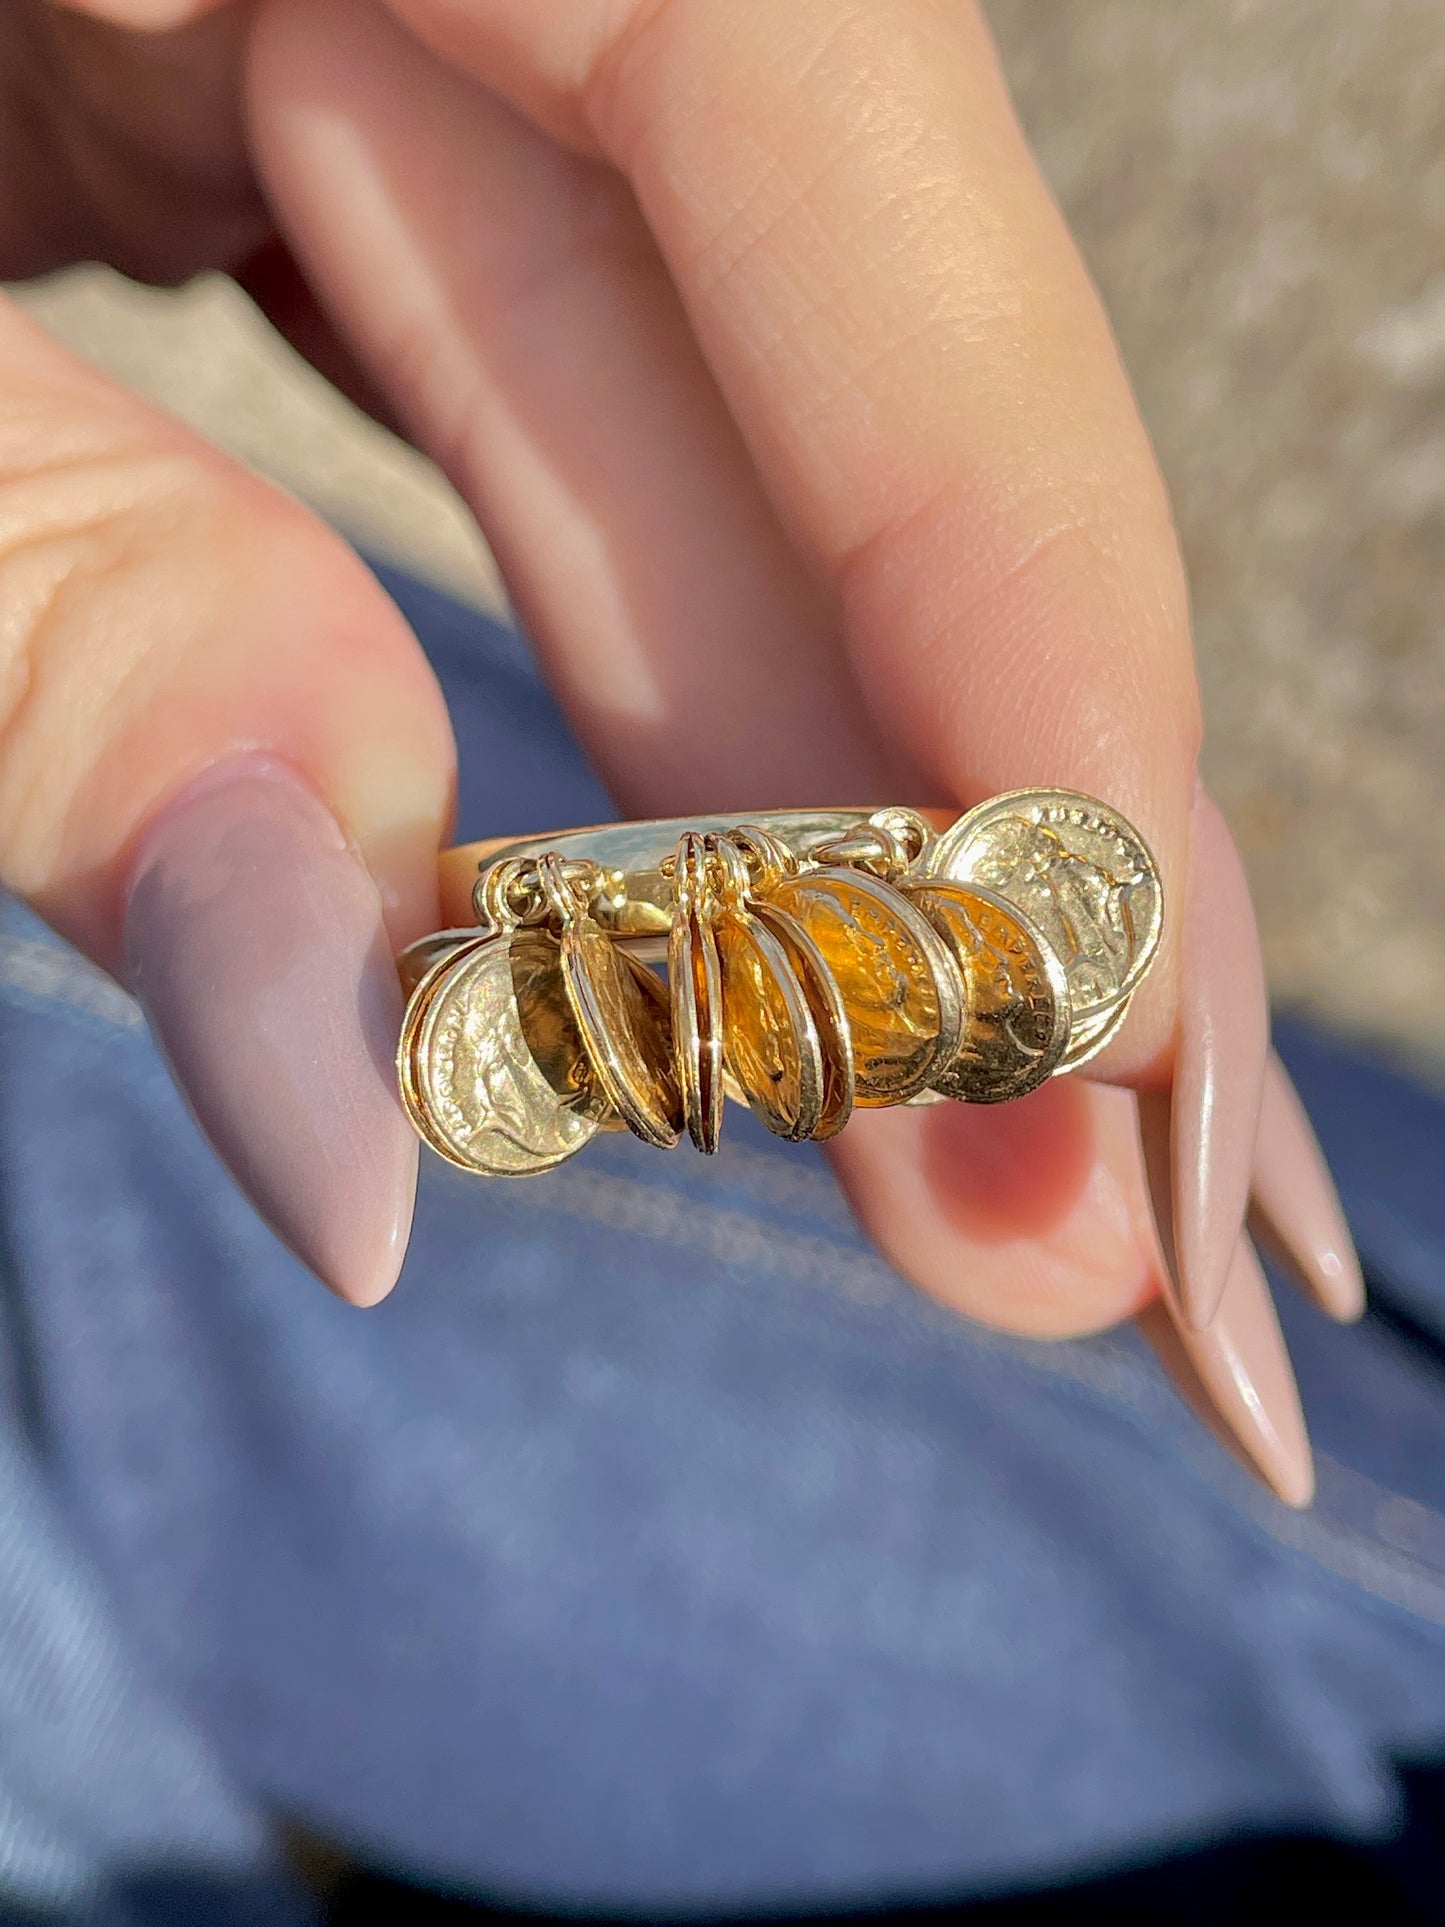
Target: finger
1238,1378
271,278
435,218
144,16
1295,1211
1030,1215
893,311
507,295
509,299
224,766
921,372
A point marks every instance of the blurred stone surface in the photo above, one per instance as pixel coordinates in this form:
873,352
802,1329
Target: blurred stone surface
1259,188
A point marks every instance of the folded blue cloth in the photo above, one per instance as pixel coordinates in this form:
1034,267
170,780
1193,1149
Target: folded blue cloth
655,1547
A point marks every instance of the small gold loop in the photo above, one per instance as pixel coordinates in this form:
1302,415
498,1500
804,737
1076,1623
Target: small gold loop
865,848
560,889
689,872
888,845
492,897
769,858
909,835
730,867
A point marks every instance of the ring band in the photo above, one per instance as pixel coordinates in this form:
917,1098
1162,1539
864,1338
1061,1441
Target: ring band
817,960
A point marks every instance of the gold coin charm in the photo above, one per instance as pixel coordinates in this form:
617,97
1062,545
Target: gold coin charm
771,1047
694,977
493,1070
623,1024
1017,1024
899,985
422,968
1080,873
817,961
770,1042
419,959
828,1011
1090,1035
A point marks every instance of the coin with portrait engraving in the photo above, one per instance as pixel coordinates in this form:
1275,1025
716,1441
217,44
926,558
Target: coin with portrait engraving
1081,874
1016,1026
899,984
495,1073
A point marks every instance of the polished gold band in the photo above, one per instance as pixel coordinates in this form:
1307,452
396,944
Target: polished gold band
817,960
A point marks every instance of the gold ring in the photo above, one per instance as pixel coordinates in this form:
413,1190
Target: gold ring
817,961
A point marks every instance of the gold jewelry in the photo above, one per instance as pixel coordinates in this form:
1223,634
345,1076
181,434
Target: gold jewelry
619,1011
816,960
694,976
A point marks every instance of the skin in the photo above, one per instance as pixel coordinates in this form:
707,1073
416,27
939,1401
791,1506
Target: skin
755,342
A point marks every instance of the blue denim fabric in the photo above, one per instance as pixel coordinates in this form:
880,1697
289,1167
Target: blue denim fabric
654,1546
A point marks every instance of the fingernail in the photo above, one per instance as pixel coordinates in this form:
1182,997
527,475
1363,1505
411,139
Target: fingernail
1294,1207
1199,1143
256,946
1238,1374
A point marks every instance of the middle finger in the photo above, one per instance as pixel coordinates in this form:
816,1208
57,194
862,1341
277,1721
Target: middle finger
509,297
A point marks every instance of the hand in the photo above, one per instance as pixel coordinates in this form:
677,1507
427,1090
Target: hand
754,340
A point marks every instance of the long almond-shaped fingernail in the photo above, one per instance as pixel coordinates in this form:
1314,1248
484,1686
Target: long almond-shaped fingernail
255,942
1237,1375
1199,1143
1294,1207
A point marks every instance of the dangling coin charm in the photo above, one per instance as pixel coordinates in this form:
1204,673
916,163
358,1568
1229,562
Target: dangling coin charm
829,1014
623,1023
899,985
492,1068
1090,1035
771,1046
1080,873
1017,1024
419,959
810,968
694,977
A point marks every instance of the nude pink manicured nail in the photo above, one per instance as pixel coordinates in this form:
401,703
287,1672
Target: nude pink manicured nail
1294,1207
1199,1147
1238,1374
256,945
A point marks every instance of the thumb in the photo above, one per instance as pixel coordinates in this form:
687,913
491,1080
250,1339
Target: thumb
224,770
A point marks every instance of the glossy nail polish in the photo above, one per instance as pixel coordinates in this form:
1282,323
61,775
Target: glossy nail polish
256,946
1294,1207
1238,1376
1199,1142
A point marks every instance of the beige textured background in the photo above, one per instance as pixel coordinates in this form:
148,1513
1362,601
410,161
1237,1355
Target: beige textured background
1259,186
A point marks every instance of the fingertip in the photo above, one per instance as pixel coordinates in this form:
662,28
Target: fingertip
1028,1216
1295,1211
1237,1377
256,945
